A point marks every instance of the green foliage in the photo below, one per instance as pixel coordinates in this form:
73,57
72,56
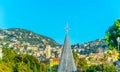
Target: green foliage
112,34
8,55
43,67
82,64
12,62
91,69
102,68
4,67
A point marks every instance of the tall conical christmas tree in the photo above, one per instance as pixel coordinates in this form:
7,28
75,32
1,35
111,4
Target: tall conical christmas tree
67,62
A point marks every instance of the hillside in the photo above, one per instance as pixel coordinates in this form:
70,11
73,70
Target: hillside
90,47
24,37
25,41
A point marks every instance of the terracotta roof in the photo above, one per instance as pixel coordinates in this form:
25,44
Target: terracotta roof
56,59
86,57
93,54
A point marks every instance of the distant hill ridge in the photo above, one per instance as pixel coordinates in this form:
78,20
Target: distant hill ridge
11,37
91,47
25,36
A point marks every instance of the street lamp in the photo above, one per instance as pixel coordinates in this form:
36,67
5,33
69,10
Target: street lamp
118,40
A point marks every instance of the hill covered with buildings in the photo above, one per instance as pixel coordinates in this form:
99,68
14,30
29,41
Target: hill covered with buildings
95,46
24,36
27,42
48,51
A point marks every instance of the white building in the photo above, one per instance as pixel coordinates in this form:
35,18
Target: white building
0,53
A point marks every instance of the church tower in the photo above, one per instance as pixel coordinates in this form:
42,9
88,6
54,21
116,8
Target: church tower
66,61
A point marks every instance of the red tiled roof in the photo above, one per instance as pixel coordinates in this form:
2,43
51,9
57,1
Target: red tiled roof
56,59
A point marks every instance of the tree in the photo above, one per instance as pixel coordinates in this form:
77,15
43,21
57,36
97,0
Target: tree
32,62
43,67
5,68
112,34
91,59
75,56
12,62
8,55
21,67
82,64
91,68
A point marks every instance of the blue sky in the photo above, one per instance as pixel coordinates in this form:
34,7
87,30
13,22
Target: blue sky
88,19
